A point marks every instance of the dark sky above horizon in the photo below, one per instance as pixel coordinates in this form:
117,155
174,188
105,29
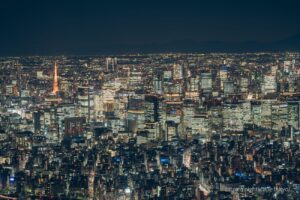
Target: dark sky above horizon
63,26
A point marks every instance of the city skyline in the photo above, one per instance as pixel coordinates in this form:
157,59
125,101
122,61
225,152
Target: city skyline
150,100
150,126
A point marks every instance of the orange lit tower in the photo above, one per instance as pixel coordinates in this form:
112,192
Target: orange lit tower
55,79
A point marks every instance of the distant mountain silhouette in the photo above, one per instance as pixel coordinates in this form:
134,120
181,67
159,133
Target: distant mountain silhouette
291,43
288,44
184,46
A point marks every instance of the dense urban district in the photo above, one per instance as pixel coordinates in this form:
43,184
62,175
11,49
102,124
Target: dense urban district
150,126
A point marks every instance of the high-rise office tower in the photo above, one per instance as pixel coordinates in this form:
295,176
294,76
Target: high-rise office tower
223,75
157,85
85,99
228,87
177,72
206,82
111,64
269,84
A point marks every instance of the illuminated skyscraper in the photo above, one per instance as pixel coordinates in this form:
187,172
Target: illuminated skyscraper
223,75
228,87
177,72
85,99
111,64
157,84
269,84
55,79
206,82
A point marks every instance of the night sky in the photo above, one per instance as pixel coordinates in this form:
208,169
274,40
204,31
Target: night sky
52,27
